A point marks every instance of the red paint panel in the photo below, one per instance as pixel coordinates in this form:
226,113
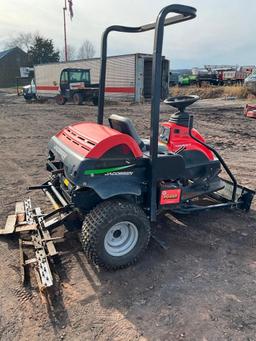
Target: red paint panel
47,87
179,136
93,141
170,196
127,90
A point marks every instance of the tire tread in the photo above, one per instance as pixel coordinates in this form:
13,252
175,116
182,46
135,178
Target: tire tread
94,222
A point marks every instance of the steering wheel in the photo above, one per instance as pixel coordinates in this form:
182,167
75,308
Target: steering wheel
181,102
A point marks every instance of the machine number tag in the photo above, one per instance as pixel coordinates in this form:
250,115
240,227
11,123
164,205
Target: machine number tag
170,196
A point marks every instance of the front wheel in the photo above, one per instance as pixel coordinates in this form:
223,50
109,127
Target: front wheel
61,100
115,234
78,99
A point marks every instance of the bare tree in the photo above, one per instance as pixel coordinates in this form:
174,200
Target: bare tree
71,53
22,40
86,50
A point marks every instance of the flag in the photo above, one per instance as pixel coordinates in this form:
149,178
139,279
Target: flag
70,7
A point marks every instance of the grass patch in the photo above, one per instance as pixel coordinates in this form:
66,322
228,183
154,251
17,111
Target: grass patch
238,91
210,91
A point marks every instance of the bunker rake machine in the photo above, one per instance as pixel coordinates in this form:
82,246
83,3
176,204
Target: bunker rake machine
118,183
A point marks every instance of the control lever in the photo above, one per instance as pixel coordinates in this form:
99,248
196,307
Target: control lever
190,124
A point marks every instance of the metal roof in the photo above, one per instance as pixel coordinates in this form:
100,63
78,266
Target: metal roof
144,55
4,53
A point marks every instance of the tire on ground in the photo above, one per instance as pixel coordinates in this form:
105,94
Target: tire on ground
61,100
77,98
100,223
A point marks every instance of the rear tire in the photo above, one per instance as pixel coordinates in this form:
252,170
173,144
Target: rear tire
115,234
78,99
61,100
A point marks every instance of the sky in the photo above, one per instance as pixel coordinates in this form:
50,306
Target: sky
222,33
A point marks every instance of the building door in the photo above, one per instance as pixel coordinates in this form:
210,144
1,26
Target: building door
139,79
148,78
165,79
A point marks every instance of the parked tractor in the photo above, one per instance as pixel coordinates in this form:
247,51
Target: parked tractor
185,80
76,86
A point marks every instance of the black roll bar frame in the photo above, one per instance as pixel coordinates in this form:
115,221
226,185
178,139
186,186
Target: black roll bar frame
218,156
184,13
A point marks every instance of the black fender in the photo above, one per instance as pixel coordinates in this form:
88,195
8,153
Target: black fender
101,188
113,185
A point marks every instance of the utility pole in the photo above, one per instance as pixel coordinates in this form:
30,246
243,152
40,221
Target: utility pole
65,31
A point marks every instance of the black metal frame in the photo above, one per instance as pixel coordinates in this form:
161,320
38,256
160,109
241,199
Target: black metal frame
184,13
223,163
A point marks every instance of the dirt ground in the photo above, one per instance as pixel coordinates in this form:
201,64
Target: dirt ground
202,288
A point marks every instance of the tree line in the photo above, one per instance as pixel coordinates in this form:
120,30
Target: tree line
42,50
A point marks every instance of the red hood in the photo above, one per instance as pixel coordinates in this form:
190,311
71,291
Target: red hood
93,140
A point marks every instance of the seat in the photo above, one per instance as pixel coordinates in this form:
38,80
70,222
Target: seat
125,126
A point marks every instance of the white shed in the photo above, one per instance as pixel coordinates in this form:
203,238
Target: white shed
128,76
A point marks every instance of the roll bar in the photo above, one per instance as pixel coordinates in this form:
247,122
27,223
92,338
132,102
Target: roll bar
184,13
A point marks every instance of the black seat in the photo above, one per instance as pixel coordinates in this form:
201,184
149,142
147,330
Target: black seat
125,126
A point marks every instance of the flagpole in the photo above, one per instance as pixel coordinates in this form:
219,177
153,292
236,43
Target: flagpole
65,32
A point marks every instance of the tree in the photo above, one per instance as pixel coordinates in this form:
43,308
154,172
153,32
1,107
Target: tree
22,40
86,50
71,53
43,51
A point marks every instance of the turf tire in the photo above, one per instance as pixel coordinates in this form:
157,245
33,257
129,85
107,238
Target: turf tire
61,100
98,222
78,99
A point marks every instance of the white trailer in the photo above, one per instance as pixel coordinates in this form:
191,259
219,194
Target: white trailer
128,76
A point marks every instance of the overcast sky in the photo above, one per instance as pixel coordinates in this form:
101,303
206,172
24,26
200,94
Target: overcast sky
222,33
